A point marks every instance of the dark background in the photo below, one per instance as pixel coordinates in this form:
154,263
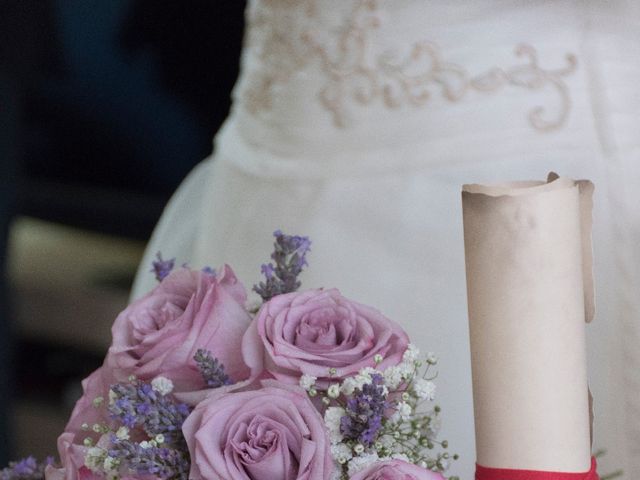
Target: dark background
105,106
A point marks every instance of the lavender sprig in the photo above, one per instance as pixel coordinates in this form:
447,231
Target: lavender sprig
364,412
211,369
142,458
209,271
289,256
26,469
380,413
162,268
145,436
139,405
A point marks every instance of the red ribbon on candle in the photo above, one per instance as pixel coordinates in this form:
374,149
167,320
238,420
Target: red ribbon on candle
485,473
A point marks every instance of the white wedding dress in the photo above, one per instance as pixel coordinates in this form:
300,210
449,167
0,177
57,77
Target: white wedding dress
357,121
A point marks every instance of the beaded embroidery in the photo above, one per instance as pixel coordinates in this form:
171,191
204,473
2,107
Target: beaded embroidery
286,46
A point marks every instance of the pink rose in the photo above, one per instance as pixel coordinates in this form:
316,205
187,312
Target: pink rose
160,333
73,466
71,447
72,458
94,386
312,331
274,433
395,470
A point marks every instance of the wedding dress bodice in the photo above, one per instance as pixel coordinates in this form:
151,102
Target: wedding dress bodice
336,82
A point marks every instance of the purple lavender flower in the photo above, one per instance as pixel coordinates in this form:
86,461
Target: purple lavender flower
211,369
289,256
147,411
139,405
26,469
364,412
146,459
209,271
161,267
267,270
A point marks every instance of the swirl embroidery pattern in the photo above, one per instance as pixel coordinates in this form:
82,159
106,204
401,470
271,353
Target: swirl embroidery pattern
353,75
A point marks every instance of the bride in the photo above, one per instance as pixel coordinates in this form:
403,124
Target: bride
355,122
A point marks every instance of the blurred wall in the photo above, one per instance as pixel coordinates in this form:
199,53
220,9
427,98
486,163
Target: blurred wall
104,105
20,56
8,111
128,103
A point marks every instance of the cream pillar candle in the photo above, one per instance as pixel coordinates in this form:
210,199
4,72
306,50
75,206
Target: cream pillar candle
529,283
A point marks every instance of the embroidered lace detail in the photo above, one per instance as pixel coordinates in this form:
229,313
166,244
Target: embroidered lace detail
274,35
353,74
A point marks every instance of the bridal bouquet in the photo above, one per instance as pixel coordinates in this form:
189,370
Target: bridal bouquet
307,385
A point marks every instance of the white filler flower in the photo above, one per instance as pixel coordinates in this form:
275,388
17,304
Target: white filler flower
307,381
424,389
332,418
162,385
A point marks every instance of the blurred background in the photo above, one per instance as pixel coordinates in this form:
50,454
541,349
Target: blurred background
105,106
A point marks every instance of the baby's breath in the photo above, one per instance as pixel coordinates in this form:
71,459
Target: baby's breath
384,414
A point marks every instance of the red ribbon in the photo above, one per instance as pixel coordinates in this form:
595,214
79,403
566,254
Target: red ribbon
484,473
